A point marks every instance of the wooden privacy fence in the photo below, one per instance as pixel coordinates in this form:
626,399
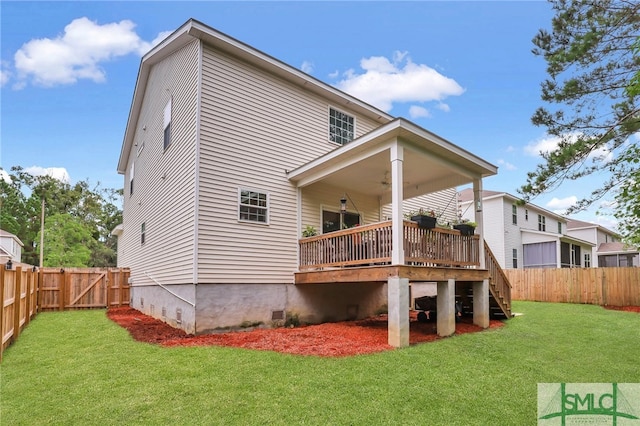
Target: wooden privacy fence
27,290
596,286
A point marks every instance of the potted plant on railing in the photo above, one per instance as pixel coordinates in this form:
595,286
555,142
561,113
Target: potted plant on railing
424,219
309,231
465,226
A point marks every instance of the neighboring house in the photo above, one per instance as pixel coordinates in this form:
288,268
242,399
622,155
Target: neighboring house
10,247
525,235
608,250
229,154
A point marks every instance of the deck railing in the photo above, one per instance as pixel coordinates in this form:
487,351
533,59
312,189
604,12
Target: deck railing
371,245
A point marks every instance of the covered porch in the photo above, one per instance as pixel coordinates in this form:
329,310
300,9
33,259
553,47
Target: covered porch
387,170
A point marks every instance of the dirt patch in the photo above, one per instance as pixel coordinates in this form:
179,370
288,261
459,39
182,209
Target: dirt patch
328,340
623,308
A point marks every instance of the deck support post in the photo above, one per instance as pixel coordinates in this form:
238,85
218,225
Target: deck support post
446,307
481,303
398,308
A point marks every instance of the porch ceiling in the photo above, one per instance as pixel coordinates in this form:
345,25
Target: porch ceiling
364,165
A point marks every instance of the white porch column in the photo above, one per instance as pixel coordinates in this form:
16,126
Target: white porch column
446,307
481,303
398,311
477,206
397,234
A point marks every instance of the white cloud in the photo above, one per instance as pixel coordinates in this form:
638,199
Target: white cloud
547,144
385,82
506,165
562,204
542,146
5,176
416,111
307,67
78,53
443,107
5,74
59,173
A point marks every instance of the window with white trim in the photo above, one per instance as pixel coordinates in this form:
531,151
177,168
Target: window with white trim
542,223
587,260
514,214
514,258
131,173
253,206
341,127
167,124
142,232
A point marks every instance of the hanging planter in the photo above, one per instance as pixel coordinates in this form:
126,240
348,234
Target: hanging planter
424,221
465,228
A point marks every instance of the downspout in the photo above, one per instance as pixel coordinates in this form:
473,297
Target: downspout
196,198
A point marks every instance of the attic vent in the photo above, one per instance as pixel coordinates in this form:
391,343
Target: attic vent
277,315
178,316
164,312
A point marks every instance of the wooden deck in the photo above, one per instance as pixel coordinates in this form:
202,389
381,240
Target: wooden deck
363,254
371,245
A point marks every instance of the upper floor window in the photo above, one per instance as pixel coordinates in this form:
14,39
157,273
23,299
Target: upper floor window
131,173
514,214
253,206
143,232
341,127
526,215
167,125
559,227
542,223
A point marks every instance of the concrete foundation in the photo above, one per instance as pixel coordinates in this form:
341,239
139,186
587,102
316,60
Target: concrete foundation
481,303
446,322
398,302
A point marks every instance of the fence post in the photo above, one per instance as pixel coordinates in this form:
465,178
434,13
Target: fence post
108,286
39,291
16,301
27,301
2,285
62,289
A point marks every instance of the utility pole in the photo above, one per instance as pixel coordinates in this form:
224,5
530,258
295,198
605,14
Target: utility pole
41,232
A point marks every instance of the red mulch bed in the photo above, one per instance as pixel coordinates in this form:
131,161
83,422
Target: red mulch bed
624,308
338,339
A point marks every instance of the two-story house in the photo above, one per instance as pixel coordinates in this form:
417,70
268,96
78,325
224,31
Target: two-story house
608,250
526,235
10,247
229,155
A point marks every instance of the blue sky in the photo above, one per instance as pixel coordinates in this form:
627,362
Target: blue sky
463,70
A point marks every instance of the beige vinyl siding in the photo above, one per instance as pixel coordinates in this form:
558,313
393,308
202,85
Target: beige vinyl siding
319,196
443,203
254,127
164,180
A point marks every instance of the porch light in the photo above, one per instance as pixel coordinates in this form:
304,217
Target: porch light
343,205
9,264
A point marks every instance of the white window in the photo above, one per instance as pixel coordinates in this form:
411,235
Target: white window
514,214
253,206
167,125
587,260
341,127
514,258
131,173
542,223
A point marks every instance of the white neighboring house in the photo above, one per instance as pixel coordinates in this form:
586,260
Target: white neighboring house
229,154
527,236
10,247
608,250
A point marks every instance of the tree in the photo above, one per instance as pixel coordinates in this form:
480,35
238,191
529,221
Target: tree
76,209
592,93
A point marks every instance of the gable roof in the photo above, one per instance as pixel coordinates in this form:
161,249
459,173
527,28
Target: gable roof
192,30
433,163
574,224
7,234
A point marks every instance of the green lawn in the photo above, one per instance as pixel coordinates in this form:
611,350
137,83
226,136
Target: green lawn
79,368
